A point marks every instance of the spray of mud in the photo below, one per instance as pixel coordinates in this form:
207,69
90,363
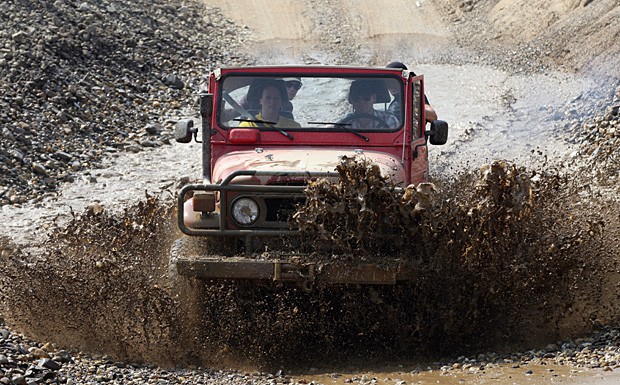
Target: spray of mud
505,258
96,284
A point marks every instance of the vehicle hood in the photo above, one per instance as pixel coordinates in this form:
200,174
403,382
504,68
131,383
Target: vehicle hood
278,160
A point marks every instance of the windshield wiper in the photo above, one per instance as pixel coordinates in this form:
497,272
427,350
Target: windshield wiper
254,120
344,126
262,123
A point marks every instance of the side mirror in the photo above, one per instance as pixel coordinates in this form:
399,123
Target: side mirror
438,134
184,131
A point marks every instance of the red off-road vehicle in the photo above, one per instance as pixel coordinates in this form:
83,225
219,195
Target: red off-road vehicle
267,131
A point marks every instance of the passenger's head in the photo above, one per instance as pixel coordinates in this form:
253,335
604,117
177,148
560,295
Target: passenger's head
396,64
362,95
292,86
393,87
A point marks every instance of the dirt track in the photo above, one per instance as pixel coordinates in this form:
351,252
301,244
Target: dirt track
492,71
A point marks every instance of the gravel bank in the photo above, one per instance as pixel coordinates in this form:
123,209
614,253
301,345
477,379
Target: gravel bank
81,80
26,362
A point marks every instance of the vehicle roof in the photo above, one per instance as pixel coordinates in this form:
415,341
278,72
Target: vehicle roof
308,69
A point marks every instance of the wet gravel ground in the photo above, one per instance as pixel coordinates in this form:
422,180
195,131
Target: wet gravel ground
23,361
602,350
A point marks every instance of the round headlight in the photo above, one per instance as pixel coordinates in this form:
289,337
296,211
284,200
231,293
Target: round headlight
245,211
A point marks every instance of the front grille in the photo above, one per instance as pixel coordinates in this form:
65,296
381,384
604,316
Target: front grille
281,209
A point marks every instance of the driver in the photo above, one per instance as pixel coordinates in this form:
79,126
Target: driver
363,96
270,101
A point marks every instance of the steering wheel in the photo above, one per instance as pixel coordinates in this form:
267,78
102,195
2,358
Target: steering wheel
350,118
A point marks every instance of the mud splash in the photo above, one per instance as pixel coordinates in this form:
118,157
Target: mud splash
96,284
507,258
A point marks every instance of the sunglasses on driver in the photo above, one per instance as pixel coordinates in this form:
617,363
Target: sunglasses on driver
360,97
293,84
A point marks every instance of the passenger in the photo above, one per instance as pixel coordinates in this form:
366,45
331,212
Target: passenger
363,96
395,105
293,85
270,102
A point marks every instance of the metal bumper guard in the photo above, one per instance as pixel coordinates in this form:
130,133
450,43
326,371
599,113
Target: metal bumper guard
226,186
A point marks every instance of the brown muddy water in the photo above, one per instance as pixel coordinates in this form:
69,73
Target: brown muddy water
507,259
498,374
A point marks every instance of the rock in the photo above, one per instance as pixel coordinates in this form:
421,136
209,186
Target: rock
153,129
19,380
64,156
22,349
16,154
95,208
173,81
63,356
19,37
48,347
149,143
39,169
38,353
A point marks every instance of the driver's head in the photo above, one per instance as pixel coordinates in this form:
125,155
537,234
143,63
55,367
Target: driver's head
270,101
362,96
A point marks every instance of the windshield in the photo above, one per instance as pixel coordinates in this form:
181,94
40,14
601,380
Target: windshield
312,103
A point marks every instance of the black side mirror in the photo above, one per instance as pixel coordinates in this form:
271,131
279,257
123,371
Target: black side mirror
438,134
184,131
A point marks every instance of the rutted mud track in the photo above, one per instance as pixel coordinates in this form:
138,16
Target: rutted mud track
506,259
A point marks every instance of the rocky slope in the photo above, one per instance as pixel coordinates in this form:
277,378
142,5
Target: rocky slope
80,81
579,36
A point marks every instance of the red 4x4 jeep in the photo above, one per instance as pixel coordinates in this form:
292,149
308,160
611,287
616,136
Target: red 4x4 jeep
267,131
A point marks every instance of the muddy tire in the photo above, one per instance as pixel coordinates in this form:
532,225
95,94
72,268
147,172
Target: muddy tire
187,293
190,293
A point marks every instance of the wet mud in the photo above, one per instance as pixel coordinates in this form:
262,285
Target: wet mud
506,258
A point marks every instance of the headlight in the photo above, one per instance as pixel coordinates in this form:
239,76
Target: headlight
245,211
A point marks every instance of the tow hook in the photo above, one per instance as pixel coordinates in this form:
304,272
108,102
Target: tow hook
307,284
304,281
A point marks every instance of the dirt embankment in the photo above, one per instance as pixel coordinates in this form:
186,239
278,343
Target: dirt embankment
575,35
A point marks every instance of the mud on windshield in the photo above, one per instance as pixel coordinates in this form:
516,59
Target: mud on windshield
312,103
